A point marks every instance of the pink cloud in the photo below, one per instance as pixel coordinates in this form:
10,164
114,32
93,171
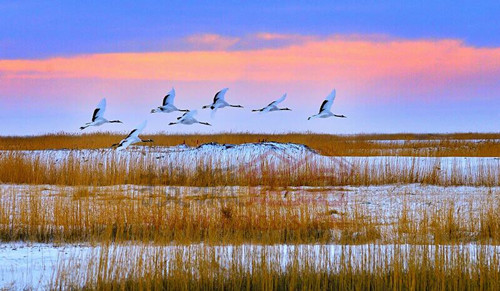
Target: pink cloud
354,62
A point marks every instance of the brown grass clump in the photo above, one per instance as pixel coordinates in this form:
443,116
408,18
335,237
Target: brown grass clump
444,222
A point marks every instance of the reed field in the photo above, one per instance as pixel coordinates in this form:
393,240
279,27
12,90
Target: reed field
399,267
404,144
143,170
251,212
145,165
237,215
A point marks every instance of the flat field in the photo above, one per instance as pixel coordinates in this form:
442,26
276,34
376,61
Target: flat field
250,211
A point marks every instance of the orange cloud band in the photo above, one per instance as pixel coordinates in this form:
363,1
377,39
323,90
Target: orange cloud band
332,59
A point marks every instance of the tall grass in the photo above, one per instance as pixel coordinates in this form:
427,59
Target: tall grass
406,144
84,215
237,216
394,267
213,236
149,168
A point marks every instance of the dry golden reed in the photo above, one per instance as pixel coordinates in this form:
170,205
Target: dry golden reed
145,169
393,267
87,215
437,245
403,144
236,215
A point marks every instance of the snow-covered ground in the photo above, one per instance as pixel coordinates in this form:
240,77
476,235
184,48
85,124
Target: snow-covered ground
224,154
384,201
24,264
256,156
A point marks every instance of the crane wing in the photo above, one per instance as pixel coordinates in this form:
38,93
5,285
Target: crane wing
169,98
278,101
327,104
220,95
189,114
99,111
136,131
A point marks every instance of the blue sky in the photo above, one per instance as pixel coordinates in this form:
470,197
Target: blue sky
398,66
32,29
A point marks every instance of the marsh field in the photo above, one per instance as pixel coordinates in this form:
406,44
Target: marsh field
240,211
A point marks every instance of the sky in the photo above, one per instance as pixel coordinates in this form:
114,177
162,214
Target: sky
397,66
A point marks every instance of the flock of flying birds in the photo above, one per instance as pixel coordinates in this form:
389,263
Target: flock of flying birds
188,117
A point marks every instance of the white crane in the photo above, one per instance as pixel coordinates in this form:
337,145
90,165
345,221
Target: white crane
273,106
188,119
219,101
98,116
132,137
168,104
324,110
